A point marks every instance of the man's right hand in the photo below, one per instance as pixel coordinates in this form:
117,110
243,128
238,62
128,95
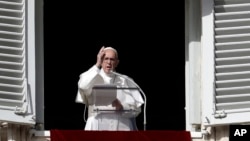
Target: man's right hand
100,56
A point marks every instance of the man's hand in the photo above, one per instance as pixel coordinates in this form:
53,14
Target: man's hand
100,56
117,104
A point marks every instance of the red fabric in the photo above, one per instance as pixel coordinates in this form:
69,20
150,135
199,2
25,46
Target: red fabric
81,135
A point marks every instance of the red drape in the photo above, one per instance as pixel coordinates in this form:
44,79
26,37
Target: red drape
81,135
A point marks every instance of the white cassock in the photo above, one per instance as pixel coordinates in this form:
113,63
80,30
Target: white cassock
130,100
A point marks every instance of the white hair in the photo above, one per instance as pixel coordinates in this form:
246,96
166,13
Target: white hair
111,48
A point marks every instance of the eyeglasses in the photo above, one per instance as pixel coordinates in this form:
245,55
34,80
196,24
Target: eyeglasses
106,59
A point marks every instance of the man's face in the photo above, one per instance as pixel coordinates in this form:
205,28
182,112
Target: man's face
110,61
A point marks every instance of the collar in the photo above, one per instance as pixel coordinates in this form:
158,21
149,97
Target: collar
103,74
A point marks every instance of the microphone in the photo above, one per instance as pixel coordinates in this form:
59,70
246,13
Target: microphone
144,96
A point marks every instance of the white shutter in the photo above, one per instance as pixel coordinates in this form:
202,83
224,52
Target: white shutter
14,95
231,98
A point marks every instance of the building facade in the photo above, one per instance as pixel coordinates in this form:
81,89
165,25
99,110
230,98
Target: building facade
217,66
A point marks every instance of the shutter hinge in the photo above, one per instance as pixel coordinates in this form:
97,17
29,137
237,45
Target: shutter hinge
21,110
221,114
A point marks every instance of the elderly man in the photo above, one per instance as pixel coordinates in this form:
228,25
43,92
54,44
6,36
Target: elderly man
128,100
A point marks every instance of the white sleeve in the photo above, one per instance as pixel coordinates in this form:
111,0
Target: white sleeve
135,93
130,99
87,80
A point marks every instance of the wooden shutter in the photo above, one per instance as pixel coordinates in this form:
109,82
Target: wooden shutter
14,95
231,62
